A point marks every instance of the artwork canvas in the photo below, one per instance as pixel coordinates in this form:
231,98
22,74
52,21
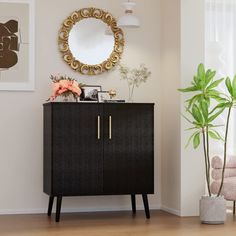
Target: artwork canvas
17,45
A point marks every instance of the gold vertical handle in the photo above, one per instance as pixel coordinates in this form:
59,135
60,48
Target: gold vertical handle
99,127
110,127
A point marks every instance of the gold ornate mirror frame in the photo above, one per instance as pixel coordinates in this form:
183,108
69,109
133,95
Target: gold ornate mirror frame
65,49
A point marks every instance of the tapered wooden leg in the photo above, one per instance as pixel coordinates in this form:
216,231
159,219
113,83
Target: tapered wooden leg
234,208
133,201
50,204
146,206
58,210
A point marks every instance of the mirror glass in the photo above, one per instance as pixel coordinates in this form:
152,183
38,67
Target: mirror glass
91,41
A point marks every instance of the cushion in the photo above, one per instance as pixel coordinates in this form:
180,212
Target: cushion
217,162
228,190
217,173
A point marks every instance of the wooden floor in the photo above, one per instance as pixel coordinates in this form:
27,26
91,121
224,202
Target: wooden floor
112,224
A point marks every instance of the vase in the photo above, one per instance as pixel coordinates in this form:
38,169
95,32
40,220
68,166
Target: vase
130,100
131,96
67,98
212,210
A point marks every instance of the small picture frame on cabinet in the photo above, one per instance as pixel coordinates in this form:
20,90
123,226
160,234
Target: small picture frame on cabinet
90,93
103,96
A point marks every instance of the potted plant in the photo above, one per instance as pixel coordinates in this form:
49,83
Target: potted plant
202,115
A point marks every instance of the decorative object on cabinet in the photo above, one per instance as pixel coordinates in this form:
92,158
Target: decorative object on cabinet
17,45
112,93
134,77
90,92
206,104
65,87
85,44
114,101
128,19
101,149
103,95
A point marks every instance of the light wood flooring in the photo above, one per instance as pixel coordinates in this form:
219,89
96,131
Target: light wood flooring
112,224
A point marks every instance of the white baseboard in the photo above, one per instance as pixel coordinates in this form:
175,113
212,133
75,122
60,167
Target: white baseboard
72,210
170,210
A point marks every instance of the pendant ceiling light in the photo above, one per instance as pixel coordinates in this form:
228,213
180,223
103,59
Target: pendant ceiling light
129,20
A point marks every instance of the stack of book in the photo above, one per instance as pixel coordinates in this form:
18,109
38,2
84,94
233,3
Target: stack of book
114,101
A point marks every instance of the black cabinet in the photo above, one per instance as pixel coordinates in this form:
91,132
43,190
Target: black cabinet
98,149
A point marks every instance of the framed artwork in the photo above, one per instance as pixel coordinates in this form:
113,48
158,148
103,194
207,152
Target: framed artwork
103,96
90,92
17,38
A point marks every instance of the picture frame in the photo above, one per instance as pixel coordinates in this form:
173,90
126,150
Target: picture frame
103,96
90,93
17,45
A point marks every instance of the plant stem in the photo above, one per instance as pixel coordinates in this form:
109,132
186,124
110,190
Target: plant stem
206,162
208,155
225,151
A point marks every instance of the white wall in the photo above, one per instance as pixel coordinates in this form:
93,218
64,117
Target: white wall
170,74
192,53
21,123
171,53
182,49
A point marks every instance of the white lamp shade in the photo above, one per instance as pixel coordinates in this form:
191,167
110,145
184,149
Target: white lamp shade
128,20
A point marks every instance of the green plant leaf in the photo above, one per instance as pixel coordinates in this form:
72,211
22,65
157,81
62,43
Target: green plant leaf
189,89
208,101
196,113
229,86
234,87
202,85
190,138
193,100
214,135
192,128
201,72
218,98
221,105
213,117
196,123
196,79
196,140
213,92
204,108
215,126
215,84
234,82
209,76
186,118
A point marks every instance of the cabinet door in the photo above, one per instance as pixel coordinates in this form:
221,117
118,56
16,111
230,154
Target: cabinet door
77,149
128,152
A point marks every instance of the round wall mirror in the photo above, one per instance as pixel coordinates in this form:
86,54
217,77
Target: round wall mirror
90,41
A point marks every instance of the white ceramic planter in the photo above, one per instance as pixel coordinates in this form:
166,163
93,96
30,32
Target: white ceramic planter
212,210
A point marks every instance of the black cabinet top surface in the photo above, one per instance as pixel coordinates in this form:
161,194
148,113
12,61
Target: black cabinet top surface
92,103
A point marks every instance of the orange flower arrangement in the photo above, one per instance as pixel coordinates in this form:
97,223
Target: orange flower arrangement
64,86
